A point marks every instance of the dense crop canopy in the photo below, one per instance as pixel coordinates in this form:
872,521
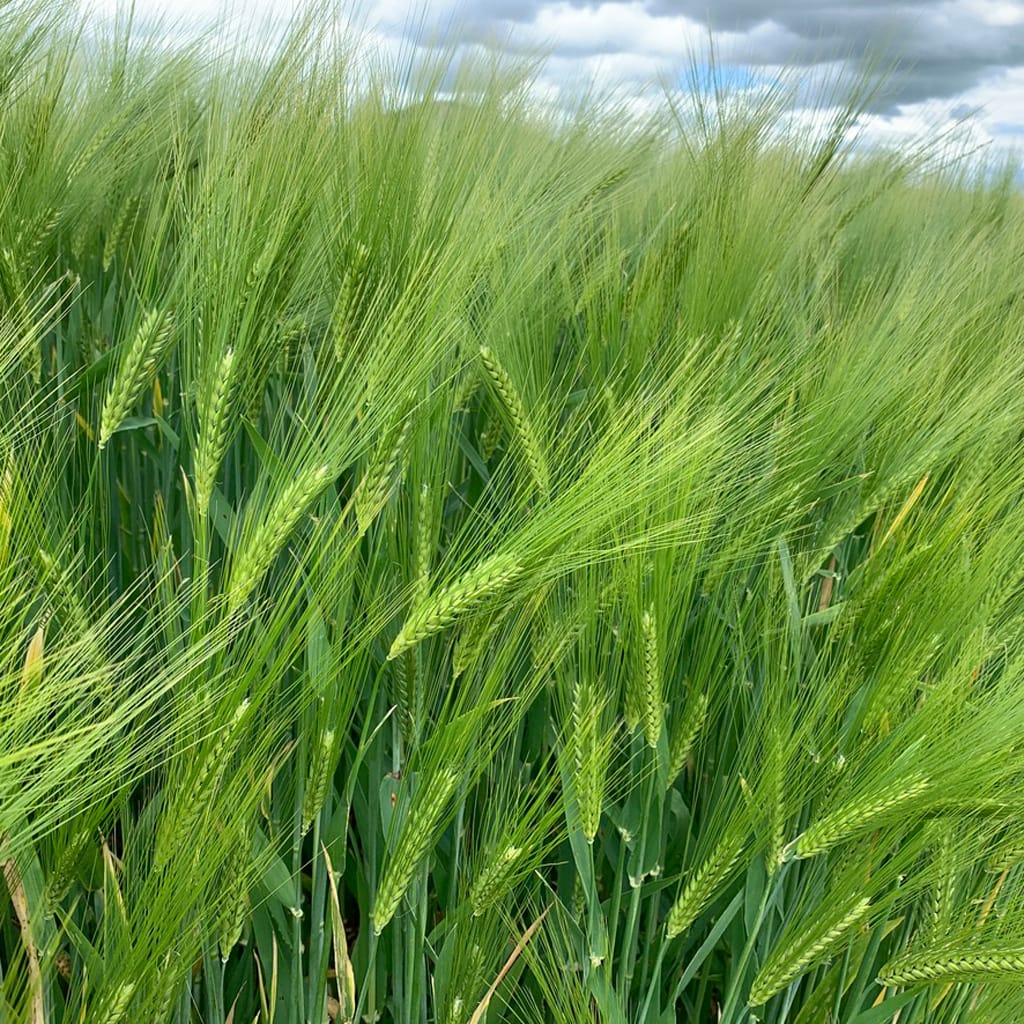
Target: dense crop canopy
463,563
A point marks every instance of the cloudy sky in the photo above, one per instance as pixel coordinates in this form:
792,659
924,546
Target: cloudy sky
951,62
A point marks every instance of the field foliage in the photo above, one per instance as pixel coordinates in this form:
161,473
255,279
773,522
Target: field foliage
467,562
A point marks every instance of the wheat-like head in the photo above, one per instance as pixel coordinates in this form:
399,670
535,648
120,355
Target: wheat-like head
490,577
137,368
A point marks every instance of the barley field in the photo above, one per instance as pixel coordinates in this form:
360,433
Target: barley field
463,562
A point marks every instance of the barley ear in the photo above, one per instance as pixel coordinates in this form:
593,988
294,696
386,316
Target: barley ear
471,641
265,544
60,879
493,882
6,523
944,893
1004,963
180,821
214,432
651,707
236,904
850,820
424,545
703,884
32,669
318,782
343,316
417,838
522,427
591,750
373,491
119,1003
785,965
685,736
407,697
136,371
436,613
466,389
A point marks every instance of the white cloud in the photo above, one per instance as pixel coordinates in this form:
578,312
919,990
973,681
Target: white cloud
957,54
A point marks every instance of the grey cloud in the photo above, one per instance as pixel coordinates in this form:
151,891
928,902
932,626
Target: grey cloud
938,49
934,50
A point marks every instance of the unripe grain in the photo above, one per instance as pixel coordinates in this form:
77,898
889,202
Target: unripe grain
214,433
135,372
418,836
522,427
265,543
703,884
954,965
651,707
848,821
787,964
438,612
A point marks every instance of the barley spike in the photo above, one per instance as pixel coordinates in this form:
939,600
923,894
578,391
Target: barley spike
954,965
847,821
701,887
788,963
436,613
416,839
521,425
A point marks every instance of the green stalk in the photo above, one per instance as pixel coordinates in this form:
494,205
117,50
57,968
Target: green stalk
616,900
629,940
318,959
770,893
298,995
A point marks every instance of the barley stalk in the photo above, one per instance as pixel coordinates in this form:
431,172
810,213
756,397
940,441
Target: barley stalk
522,427
703,883
686,735
418,835
785,965
491,576
847,821
135,372
265,543
951,964
214,432
651,707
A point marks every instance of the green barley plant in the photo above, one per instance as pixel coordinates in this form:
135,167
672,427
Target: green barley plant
466,560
